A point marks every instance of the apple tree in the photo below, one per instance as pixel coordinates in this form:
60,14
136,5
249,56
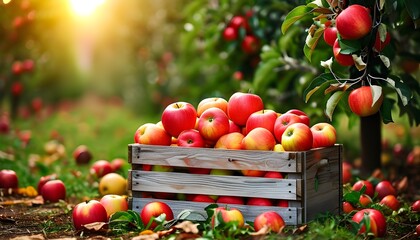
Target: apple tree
361,78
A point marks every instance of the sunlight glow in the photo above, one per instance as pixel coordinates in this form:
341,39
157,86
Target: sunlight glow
85,7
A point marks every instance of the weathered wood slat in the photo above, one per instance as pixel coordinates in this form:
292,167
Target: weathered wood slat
174,182
216,158
291,216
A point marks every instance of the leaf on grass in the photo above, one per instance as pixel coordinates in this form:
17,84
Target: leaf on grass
146,236
96,226
32,237
332,103
385,60
376,93
188,227
402,89
262,232
300,229
293,16
358,62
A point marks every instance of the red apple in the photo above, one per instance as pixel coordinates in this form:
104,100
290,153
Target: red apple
100,168
82,154
152,134
230,200
347,172
361,99
88,212
213,124
297,137
4,124
263,118
342,59
324,135
365,200
17,88
415,207
250,44
348,207
273,175
227,215
45,179
203,198
199,170
302,115
380,45
377,221
17,67
271,219
114,203
256,201
354,22
191,138
282,203
177,117
384,188
330,35
418,230
357,186
390,201
28,65
253,173
117,164
53,191
230,141
230,34
242,105
8,179
207,103
233,127
282,122
259,139
153,210
239,22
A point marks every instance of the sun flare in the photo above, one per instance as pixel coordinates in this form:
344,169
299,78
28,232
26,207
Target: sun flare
85,7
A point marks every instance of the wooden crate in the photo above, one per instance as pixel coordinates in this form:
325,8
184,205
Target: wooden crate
313,184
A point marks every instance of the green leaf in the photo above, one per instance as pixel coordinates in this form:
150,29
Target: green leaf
413,8
312,42
293,16
325,78
402,89
349,46
264,73
386,110
332,103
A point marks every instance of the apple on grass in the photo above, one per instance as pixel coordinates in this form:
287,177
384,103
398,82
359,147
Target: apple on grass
114,203
207,103
361,101
53,191
152,134
347,172
191,138
153,210
8,179
365,200
213,123
269,219
231,140
242,105
112,183
283,121
117,164
225,214
88,212
354,22
348,207
100,168
391,202
177,117
259,139
297,137
372,218
264,118
415,206
45,179
369,189
82,154
324,135
384,188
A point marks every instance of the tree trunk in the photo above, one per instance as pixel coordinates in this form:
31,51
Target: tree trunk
370,139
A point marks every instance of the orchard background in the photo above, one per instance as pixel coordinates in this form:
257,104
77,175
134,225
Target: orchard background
73,75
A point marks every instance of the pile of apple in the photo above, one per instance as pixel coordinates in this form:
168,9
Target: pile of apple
250,44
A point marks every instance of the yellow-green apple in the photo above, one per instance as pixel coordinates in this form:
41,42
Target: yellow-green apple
302,115
253,173
354,22
213,124
257,201
230,141
259,139
379,44
369,189
82,154
365,200
207,103
117,164
53,191
347,172
282,122
100,168
88,212
342,59
230,200
8,179
225,214
348,207
330,35
233,127
153,210
222,172
44,179
323,134
191,138
271,174
242,105
376,221
415,206
390,201
152,134
177,117
384,188
202,198
162,168
270,219
278,148
264,118
361,101
112,183
114,203
297,137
